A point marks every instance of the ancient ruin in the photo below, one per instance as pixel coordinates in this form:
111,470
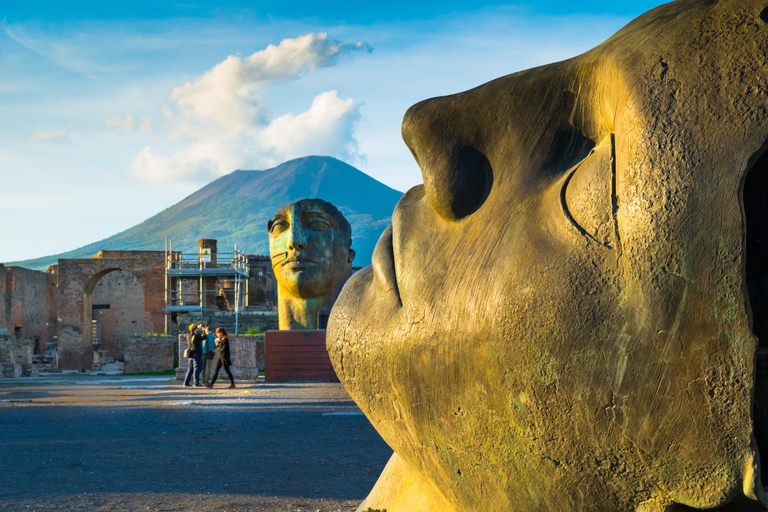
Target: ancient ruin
141,282
310,246
563,316
110,311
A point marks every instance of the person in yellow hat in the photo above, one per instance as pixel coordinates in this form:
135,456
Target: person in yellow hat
194,354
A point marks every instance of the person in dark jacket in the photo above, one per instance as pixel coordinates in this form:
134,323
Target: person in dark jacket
222,345
209,353
195,354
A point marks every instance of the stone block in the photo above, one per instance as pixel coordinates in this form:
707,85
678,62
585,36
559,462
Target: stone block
149,353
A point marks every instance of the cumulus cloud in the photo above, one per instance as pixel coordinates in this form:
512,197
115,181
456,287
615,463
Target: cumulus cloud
327,128
199,162
222,121
129,124
225,99
49,137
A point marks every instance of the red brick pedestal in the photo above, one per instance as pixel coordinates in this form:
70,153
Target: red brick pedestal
297,356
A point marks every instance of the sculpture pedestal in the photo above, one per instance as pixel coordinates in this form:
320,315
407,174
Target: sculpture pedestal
297,355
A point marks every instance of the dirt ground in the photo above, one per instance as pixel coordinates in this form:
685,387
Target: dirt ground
130,443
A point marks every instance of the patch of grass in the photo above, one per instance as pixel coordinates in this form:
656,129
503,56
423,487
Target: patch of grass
254,330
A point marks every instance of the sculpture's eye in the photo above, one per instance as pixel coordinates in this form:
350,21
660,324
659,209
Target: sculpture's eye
764,15
588,195
318,223
277,226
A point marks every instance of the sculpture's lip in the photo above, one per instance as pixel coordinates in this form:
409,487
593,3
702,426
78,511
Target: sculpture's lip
297,262
383,264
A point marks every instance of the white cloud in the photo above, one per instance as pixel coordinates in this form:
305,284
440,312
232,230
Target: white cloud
222,121
224,102
49,137
129,124
197,163
327,128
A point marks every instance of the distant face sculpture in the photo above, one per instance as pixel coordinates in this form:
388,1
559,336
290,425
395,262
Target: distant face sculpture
558,317
309,243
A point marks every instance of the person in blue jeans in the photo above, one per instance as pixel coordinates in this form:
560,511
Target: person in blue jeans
209,353
195,354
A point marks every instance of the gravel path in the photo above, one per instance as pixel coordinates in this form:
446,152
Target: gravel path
81,442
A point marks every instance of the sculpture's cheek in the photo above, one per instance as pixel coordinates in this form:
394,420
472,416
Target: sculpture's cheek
445,374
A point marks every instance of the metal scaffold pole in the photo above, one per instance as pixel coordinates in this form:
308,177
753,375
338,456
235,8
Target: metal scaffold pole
166,321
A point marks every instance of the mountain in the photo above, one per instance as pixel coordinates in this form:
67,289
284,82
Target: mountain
235,208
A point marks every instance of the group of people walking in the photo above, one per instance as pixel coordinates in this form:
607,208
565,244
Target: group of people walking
203,346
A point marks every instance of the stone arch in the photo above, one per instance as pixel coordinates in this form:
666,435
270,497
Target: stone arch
114,306
93,281
78,278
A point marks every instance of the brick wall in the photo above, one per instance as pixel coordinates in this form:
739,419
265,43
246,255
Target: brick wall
148,353
77,280
26,308
15,356
297,355
124,316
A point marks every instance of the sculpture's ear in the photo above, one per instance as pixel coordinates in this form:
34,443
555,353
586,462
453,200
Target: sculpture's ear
351,256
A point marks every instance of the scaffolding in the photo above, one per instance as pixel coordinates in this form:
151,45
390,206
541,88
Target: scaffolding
197,283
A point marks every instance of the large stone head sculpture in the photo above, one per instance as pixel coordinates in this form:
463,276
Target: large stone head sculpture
560,317
310,246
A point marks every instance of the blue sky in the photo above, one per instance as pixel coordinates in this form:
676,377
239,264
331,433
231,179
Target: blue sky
112,112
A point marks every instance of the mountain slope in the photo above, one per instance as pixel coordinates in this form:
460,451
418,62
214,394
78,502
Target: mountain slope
235,208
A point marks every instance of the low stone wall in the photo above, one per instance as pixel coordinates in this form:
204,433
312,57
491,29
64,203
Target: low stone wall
148,354
15,350
16,357
247,354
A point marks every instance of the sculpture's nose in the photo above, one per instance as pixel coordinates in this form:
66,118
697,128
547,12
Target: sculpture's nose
457,175
297,238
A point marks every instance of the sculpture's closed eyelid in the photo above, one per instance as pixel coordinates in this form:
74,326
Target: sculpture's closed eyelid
319,224
316,220
588,196
278,225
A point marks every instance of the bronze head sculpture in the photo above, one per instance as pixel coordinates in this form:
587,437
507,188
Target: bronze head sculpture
559,317
310,246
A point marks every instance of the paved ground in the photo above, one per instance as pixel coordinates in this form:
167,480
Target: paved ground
82,442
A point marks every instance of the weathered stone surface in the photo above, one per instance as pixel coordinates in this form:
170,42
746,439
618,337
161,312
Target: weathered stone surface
15,350
310,246
17,359
125,315
28,303
77,280
148,353
247,356
560,317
